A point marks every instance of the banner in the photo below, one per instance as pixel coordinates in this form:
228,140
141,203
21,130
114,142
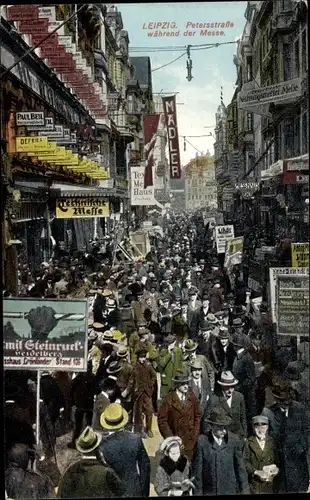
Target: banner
82,208
222,234
150,125
170,111
234,251
139,195
300,254
281,271
44,334
292,305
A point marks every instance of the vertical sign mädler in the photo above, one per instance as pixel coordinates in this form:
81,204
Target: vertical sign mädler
173,136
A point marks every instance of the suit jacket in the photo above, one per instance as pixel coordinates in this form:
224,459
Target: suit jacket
292,436
204,394
126,455
244,371
256,459
180,419
222,360
100,404
207,370
219,470
237,413
142,380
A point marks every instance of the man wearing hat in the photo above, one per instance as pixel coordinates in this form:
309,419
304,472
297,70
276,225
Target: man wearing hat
218,466
190,354
142,342
94,353
138,308
170,360
216,297
123,378
193,303
199,383
125,453
223,352
204,310
102,400
179,414
141,385
231,401
89,477
260,455
289,426
244,370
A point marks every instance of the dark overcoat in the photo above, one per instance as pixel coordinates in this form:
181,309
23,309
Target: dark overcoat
244,370
180,419
256,459
237,413
88,478
219,470
100,404
222,360
126,455
21,484
292,436
204,394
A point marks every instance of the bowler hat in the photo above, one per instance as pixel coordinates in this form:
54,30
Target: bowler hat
227,379
192,292
204,326
240,340
88,441
190,345
126,305
282,390
184,302
181,377
205,296
218,416
114,417
113,368
292,372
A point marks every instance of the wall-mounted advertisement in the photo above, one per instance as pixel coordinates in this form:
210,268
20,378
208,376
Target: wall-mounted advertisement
223,234
139,195
44,334
77,208
281,271
293,305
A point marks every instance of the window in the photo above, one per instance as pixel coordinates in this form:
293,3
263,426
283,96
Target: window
288,138
296,59
304,52
304,133
287,62
249,68
249,122
285,5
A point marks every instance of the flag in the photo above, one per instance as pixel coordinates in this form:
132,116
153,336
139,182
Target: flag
150,126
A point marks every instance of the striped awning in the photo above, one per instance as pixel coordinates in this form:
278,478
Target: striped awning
72,191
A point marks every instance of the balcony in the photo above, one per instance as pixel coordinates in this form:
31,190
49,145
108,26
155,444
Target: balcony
101,60
283,23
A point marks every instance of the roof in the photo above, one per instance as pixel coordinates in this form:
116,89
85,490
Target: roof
142,70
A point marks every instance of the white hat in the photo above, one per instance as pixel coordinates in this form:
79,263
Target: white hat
168,442
227,379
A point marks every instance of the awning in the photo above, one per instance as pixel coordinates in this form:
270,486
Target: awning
73,191
272,171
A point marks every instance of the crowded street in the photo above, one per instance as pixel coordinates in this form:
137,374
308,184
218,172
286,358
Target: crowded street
155,276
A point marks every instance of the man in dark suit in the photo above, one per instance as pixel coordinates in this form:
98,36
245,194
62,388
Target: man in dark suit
232,403
102,401
218,466
125,453
199,383
222,352
289,426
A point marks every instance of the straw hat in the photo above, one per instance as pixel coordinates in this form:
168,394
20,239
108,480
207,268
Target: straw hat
227,379
88,441
92,335
114,417
98,327
113,368
122,352
107,293
107,335
118,335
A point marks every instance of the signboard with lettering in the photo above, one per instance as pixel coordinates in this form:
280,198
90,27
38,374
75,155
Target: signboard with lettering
139,195
222,234
25,118
47,125
280,92
170,110
234,251
292,305
247,189
82,208
282,271
300,254
25,144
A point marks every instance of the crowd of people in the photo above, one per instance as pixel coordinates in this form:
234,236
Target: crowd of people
173,338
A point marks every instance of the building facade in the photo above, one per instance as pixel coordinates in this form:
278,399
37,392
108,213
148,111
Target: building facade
200,184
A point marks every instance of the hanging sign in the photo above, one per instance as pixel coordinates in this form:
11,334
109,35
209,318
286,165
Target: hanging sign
82,208
140,196
282,271
45,334
292,305
222,234
25,144
24,118
300,254
234,251
170,111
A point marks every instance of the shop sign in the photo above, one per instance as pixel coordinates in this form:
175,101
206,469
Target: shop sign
247,189
44,334
66,41
139,195
297,164
223,234
274,170
82,208
48,12
300,254
292,305
22,13
25,118
56,25
282,271
25,144
234,251
113,101
48,125
57,133
170,111
276,94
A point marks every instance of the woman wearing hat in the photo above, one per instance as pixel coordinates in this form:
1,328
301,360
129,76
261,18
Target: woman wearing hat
173,472
218,466
261,457
89,477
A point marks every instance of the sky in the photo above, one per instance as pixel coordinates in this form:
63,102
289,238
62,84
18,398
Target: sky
211,68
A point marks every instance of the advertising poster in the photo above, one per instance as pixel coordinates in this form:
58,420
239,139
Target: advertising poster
300,254
292,305
223,234
44,334
234,251
282,271
77,208
140,196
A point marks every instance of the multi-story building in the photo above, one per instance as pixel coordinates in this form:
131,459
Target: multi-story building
221,158
200,184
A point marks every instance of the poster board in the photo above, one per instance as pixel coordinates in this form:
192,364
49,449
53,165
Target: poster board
280,271
292,305
222,234
45,334
300,254
233,253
